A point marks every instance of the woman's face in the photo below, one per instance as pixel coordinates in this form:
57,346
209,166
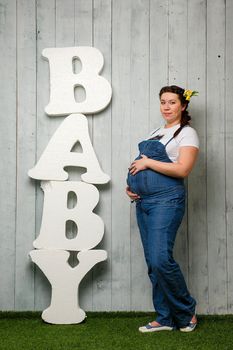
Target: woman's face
171,108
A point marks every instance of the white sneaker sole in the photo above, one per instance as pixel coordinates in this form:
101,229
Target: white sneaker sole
188,328
144,329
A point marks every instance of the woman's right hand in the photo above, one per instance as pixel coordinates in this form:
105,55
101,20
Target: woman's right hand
133,196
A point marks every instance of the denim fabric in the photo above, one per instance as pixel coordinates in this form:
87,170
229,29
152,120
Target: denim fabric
158,218
159,213
147,181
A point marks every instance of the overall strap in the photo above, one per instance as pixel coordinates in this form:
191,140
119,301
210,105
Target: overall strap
169,141
154,132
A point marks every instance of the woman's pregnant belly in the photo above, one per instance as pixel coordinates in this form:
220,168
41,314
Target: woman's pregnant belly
147,181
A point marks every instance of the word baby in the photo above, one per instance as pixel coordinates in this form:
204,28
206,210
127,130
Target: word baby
52,245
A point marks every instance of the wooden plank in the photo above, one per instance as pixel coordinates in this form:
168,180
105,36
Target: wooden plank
102,146
178,76
26,124
216,205
121,103
46,126
139,126
229,155
158,57
83,23
197,225
8,152
65,23
177,60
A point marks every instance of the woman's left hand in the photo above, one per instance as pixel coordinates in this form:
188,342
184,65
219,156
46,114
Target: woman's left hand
138,165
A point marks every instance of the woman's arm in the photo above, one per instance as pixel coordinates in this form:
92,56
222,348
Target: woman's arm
184,165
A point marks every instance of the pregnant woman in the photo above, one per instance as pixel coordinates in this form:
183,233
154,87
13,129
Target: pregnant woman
156,183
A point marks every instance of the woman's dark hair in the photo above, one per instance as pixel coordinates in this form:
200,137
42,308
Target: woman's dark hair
185,117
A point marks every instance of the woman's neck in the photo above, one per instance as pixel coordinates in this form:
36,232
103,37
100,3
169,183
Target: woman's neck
170,125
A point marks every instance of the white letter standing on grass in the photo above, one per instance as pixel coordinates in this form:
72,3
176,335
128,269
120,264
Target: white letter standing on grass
52,244
65,280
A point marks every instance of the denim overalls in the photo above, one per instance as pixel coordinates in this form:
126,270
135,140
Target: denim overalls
147,182
159,211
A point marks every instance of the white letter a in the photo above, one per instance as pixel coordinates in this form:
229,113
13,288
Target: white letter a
58,155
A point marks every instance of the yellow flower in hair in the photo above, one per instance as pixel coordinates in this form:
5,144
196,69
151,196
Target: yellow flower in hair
189,93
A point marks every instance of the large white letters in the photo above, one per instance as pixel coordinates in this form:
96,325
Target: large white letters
55,215
53,242
63,81
64,307
58,155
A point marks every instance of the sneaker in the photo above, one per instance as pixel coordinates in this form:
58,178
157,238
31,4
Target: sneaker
191,326
149,328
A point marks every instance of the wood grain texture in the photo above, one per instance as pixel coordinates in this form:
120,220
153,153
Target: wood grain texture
26,153
8,149
121,103
229,155
216,194
197,233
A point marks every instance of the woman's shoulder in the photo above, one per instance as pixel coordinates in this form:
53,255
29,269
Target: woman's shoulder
188,130
188,137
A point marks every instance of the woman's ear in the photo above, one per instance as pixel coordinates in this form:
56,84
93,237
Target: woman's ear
183,108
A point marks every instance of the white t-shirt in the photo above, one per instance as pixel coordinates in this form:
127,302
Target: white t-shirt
187,137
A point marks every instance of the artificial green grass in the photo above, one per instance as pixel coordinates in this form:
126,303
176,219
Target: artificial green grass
110,331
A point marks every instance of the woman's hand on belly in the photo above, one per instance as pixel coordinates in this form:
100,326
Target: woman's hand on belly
133,196
139,165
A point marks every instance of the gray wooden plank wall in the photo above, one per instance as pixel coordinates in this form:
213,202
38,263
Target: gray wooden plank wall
146,44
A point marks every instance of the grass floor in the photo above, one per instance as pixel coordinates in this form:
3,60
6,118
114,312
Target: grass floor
110,331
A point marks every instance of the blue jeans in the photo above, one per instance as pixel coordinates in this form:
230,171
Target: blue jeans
159,217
